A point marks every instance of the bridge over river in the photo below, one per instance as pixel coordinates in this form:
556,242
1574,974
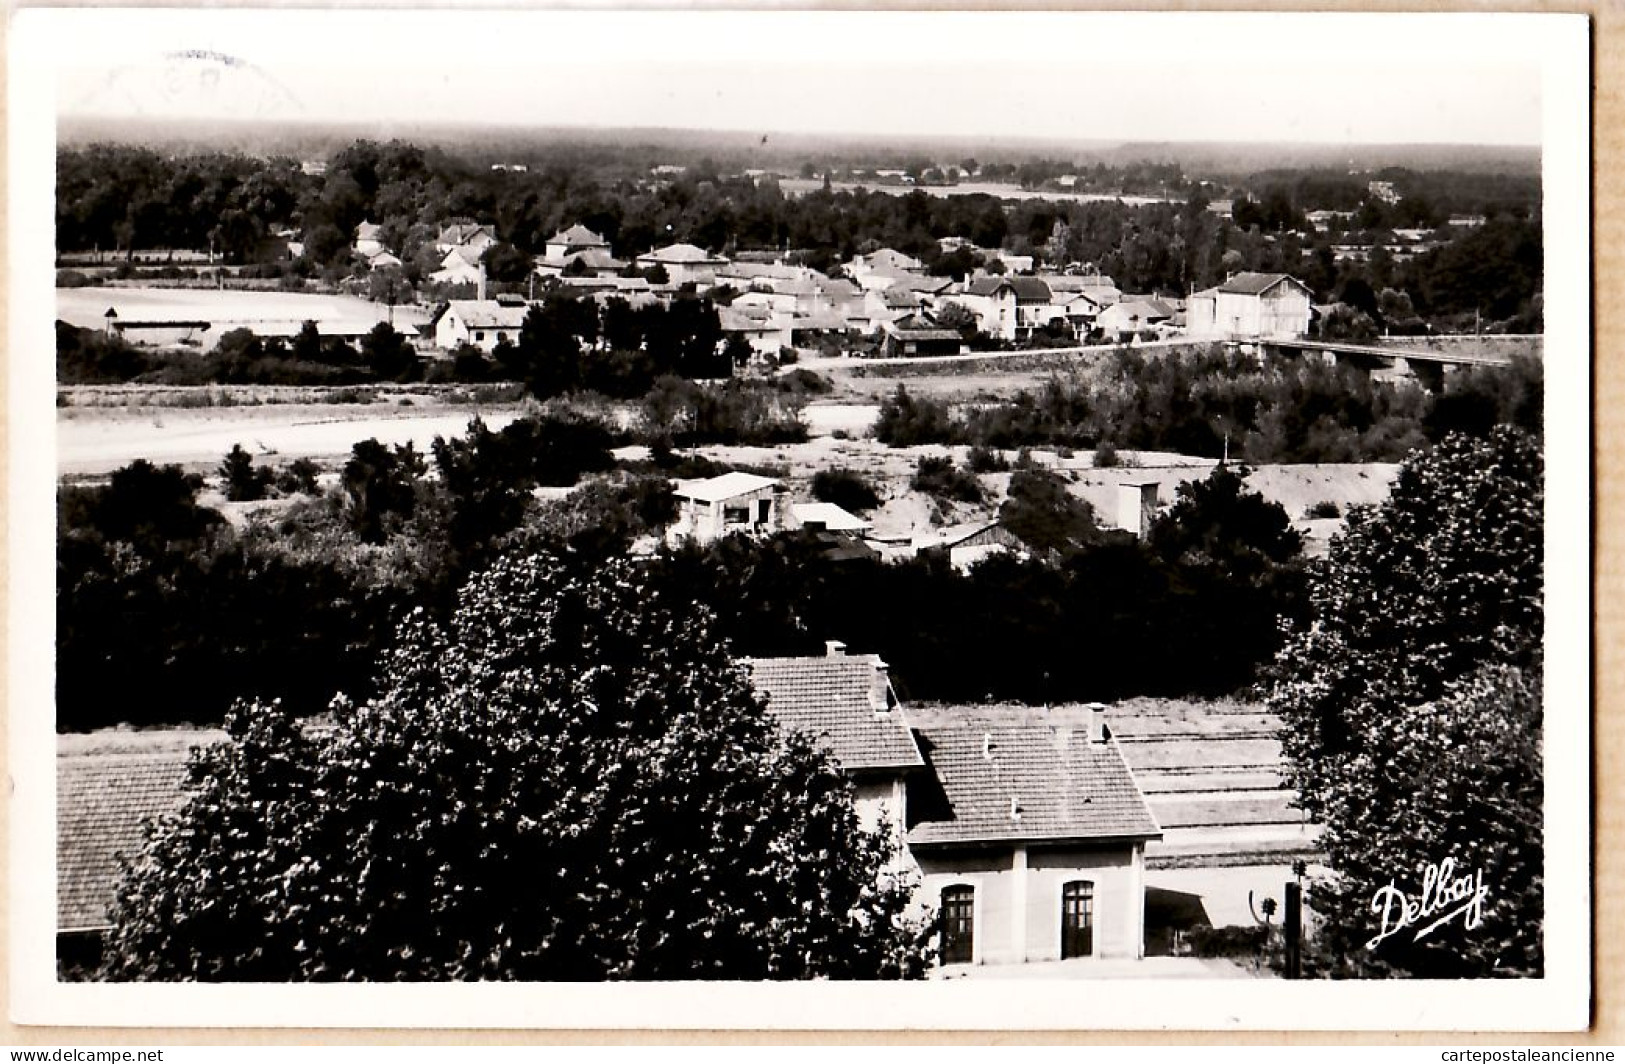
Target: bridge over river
1427,361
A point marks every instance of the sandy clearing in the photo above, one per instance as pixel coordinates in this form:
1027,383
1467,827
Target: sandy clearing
89,446
87,307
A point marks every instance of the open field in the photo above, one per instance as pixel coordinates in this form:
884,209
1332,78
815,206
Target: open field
87,307
92,442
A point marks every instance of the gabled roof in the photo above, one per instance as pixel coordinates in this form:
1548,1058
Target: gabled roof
368,231
682,254
899,296
463,232
488,314
464,254
832,699
1017,774
1032,289
1144,310
578,236
888,259
727,486
1256,284
592,259
749,318
828,321
837,287
928,285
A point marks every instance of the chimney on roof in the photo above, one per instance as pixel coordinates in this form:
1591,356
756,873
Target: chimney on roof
1097,722
880,685
834,648
1137,506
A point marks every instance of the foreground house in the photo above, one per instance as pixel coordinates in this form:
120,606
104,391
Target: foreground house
1024,827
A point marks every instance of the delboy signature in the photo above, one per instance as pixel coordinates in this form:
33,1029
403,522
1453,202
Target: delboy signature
1445,895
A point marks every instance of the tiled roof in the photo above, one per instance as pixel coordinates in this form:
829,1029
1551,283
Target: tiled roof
1254,284
463,233
489,314
578,236
1029,288
829,698
1021,775
682,254
887,258
101,801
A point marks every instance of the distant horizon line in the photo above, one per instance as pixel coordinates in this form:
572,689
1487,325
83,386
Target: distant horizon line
399,127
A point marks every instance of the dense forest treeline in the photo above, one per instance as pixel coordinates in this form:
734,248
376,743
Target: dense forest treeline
159,593
118,199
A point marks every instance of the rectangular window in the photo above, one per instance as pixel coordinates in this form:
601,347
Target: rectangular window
1078,919
958,925
763,508
735,515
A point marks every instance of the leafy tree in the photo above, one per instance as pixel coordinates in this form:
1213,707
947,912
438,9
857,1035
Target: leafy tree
388,354
939,477
905,421
299,478
380,488
1217,523
244,483
150,507
1410,701
506,264
531,796
1044,515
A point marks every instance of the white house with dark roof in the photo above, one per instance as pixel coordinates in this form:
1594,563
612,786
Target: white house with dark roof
1010,308
576,238
369,239
472,236
1025,827
1029,834
460,265
1133,316
1251,306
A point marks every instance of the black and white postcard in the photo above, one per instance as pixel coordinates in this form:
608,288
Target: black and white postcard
740,519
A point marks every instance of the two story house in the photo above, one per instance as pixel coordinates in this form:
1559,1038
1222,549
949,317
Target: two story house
1251,306
1024,827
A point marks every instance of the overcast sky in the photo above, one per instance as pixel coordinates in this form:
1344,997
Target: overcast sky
1343,78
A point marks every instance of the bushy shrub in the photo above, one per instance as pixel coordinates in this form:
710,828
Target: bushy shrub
905,421
844,488
981,459
939,477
